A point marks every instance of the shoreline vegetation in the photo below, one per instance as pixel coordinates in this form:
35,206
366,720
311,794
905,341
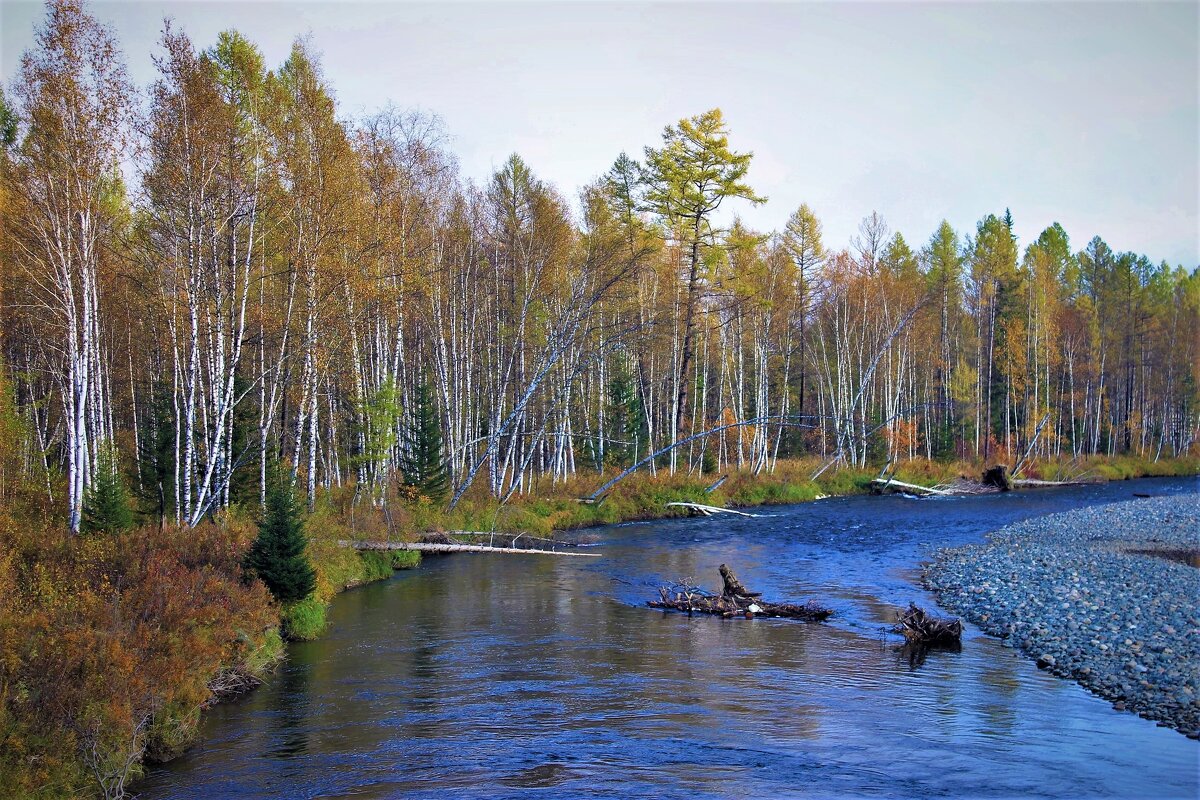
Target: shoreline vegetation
115,644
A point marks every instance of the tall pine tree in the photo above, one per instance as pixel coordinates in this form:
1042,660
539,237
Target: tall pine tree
424,466
277,555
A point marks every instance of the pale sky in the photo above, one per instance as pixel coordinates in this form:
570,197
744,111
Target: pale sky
1081,113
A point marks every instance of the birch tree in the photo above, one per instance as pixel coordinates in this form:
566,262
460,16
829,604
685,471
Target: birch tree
75,103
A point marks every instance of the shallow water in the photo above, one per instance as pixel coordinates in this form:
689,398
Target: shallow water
514,676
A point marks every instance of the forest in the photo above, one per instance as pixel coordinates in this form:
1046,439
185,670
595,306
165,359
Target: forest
282,284
220,276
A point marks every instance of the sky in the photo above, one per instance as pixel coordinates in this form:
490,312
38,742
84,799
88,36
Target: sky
1081,113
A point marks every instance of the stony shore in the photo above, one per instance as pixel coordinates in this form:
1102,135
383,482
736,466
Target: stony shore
1079,592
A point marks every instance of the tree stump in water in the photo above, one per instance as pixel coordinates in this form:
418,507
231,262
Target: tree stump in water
733,587
919,627
998,476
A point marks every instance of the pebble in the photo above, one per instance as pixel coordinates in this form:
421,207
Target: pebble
1065,590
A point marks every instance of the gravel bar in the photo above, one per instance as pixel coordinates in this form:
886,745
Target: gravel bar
1068,590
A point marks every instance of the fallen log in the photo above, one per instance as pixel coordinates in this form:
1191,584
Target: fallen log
443,547
716,485
918,627
1034,483
708,511
735,600
879,486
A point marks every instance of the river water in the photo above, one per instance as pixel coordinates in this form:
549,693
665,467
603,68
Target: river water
518,676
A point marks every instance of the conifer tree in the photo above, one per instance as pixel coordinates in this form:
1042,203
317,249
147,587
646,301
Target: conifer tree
626,417
106,507
277,555
688,179
424,466
156,454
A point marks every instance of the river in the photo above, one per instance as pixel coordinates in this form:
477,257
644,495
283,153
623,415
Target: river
516,676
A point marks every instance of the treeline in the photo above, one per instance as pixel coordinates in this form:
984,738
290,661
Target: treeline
281,284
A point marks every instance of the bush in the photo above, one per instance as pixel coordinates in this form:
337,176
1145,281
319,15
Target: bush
376,565
108,645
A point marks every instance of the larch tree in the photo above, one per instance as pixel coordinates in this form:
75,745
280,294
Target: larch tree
802,238
688,179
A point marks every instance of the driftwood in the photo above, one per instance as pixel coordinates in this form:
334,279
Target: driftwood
454,547
919,627
733,587
708,511
879,486
993,482
735,600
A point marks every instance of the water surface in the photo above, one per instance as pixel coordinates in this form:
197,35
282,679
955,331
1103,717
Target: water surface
521,676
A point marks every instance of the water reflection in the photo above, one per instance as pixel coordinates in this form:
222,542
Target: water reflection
503,677
287,732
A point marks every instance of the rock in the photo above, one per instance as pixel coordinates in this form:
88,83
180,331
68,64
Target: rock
1064,590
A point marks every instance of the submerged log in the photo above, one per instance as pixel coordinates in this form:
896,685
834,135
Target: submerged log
735,600
919,627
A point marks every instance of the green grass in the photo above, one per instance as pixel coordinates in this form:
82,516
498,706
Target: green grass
304,620
405,559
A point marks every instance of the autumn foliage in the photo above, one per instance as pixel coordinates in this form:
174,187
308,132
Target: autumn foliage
110,645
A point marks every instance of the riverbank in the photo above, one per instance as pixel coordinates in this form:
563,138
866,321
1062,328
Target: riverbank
136,634
1097,595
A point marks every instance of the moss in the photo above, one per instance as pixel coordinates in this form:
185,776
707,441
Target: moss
304,620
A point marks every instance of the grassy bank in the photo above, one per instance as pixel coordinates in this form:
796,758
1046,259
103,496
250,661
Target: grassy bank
549,507
111,646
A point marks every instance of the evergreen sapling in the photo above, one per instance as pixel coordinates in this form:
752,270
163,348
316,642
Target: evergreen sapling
106,507
277,555
423,465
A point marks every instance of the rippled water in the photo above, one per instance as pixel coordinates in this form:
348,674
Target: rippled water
498,676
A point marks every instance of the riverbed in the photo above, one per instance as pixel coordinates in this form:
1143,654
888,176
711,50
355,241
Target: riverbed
516,676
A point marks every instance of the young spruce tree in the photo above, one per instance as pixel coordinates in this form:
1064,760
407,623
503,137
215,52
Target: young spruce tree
106,507
423,465
277,555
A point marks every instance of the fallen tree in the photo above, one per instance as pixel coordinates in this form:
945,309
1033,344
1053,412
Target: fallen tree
735,600
993,480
